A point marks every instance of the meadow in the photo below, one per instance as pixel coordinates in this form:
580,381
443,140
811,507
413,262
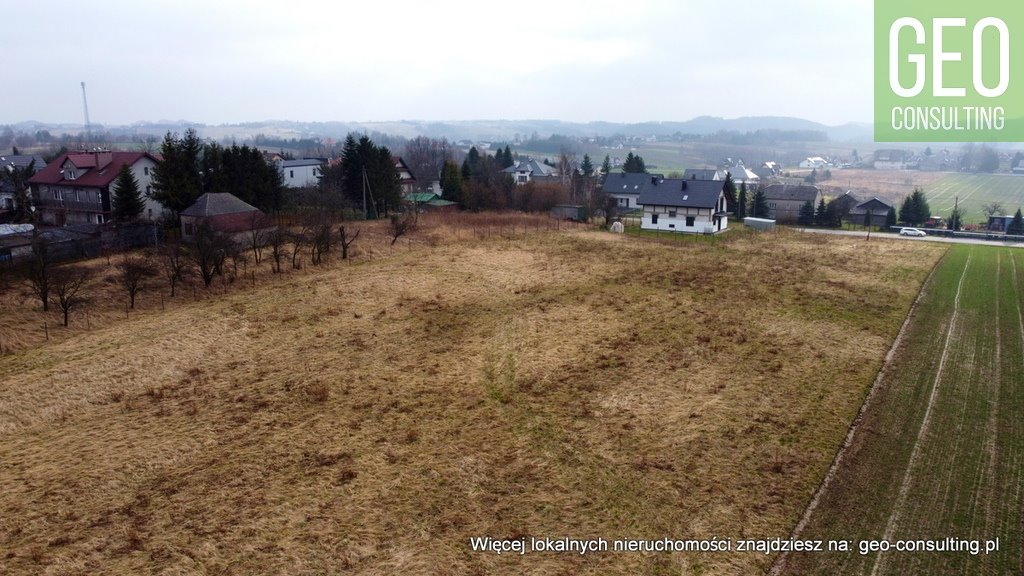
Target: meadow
371,417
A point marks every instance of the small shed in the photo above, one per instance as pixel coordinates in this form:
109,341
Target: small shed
763,224
569,212
226,214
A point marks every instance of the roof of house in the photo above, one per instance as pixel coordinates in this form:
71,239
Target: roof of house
628,182
848,198
683,193
875,205
301,162
740,174
420,197
22,161
401,166
531,167
93,177
797,193
218,204
700,174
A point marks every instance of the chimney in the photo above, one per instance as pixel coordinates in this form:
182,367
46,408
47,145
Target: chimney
654,180
103,157
684,185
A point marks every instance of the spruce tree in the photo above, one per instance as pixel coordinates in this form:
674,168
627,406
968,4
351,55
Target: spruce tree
587,167
451,182
741,202
954,223
507,161
1016,226
127,199
806,217
759,204
606,166
730,189
906,210
177,181
890,218
821,216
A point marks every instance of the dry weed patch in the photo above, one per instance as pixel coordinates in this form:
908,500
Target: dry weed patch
370,418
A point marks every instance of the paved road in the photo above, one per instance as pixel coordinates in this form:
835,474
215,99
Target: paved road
888,235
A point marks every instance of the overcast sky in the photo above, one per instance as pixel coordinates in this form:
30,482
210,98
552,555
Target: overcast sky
215,61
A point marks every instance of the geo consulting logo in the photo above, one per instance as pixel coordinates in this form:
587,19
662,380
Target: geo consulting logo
949,71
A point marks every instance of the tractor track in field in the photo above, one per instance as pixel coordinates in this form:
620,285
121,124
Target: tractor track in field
915,454
1020,325
779,564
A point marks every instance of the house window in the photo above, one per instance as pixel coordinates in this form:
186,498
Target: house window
689,221
99,218
671,213
149,190
291,173
145,170
523,178
70,174
654,218
671,225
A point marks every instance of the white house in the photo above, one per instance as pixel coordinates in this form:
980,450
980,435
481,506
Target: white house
815,162
740,175
680,205
300,173
626,187
892,160
527,170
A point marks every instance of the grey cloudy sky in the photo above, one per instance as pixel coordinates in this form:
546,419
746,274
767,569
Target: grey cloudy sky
218,61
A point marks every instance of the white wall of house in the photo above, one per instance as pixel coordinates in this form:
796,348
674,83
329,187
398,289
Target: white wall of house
143,171
627,201
301,176
676,219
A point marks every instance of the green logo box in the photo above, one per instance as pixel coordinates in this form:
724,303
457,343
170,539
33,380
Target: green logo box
949,71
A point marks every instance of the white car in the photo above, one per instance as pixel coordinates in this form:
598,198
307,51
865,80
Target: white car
912,232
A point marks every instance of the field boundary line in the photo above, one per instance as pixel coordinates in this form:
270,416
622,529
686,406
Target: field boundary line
915,454
779,564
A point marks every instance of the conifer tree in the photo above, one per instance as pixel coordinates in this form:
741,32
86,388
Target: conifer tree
806,217
1016,226
127,199
606,166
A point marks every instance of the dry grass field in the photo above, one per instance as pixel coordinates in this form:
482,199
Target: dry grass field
369,418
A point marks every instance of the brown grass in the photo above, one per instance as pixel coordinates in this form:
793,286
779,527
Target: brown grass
370,418
889,185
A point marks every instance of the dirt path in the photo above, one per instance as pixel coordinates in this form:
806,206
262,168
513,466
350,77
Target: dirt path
779,565
901,498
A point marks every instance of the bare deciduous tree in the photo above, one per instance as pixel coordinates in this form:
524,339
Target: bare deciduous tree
38,271
132,272
174,264
259,231
298,242
66,289
401,225
346,241
208,252
277,240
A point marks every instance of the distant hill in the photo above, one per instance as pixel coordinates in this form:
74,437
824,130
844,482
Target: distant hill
476,129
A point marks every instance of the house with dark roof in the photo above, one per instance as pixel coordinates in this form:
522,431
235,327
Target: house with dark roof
681,205
224,213
845,203
530,170
10,164
303,173
405,175
878,209
703,174
784,201
625,187
76,187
